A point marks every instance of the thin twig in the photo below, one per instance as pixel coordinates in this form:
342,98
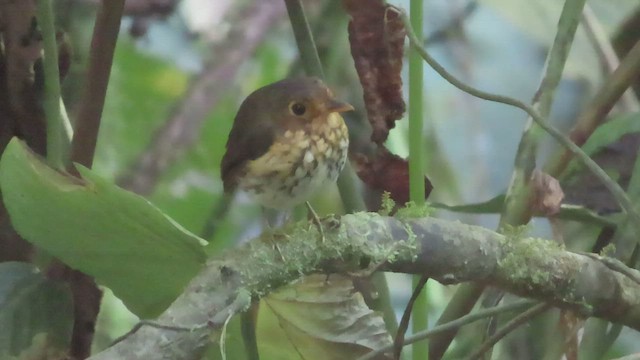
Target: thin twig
616,265
596,110
304,38
454,23
518,205
612,186
520,199
398,341
454,325
607,54
508,327
150,323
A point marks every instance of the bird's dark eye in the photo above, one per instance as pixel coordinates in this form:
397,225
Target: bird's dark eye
297,108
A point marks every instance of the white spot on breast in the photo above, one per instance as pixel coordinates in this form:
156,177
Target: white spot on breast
300,172
308,157
321,146
303,143
329,152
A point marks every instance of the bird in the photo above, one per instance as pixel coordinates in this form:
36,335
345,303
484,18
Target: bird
287,142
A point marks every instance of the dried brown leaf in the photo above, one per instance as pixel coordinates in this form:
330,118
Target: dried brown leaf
388,172
376,35
548,193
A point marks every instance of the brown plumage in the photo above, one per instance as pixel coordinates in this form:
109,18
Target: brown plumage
286,142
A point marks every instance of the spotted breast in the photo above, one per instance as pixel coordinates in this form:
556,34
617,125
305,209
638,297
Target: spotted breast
298,164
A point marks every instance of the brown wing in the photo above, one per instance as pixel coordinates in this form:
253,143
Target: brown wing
248,140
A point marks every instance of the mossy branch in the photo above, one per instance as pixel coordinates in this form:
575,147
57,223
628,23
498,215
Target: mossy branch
447,251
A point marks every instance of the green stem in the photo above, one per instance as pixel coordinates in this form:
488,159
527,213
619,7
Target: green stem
454,325
420,315
103,44
518,202
508,328
599,340
609,59
304,38
51,86
615,189
349,194
596,110
416,146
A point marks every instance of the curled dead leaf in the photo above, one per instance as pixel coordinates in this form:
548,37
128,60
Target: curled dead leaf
388,172
548,193
376,35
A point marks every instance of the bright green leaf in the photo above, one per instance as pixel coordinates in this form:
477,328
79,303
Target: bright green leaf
122,240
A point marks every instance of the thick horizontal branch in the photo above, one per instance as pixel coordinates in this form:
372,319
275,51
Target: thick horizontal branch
449,252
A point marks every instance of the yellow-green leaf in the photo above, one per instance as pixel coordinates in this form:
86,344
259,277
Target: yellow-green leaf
118,237
318,318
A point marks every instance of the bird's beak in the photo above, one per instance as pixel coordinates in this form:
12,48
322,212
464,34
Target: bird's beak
338,106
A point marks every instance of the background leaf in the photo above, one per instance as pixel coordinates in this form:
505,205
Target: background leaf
318,318
36,316
611,131
119,238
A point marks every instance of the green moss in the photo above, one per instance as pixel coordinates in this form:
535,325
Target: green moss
387,204
413,211
608,251
524,257
515,232
298,248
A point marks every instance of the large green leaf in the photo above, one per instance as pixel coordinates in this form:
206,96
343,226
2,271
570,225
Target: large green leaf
36,316
318,318
92,225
